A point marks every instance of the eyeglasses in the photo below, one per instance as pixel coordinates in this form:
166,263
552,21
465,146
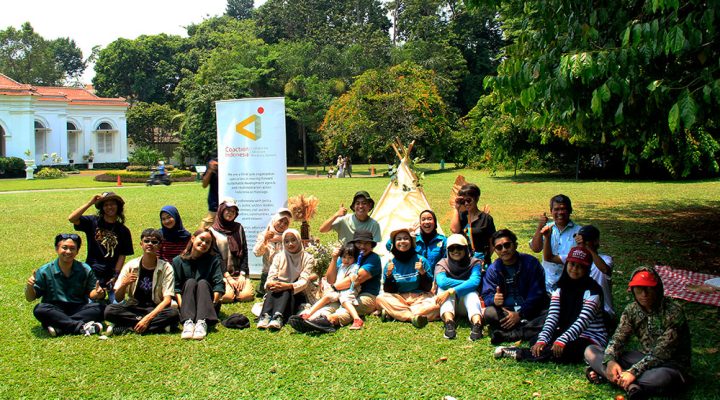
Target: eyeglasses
154,242
506,246
66,236
461,200
456,249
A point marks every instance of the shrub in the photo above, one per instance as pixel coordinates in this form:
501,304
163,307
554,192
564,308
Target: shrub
146,168
146,156
142,176
50,173
12,166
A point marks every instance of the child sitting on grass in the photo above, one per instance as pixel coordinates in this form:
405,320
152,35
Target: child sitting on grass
346,267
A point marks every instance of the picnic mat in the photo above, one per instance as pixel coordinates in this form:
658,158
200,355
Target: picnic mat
688,285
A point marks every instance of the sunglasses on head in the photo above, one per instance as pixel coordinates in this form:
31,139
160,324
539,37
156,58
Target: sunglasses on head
66,236
153,242
506,246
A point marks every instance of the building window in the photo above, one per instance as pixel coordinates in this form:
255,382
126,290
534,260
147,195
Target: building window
104,142
73,138
40,138
104,137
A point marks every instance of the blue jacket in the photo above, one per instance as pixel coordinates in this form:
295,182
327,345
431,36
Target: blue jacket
433,251
461,287
530,285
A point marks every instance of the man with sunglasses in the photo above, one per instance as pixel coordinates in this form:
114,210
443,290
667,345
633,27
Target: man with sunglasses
513,290
147,284
64,286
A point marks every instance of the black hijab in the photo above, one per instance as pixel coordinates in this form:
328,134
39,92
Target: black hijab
571,296
404,256
427,237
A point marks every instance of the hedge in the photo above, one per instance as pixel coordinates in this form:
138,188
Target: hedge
12,167
142,176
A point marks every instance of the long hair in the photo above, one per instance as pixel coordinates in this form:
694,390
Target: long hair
120,211
187,253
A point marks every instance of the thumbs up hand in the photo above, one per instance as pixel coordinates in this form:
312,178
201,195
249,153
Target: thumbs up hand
390,268
342,210
31,279
98,293
499,298
419,268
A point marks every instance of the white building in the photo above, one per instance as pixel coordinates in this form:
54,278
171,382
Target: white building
64,120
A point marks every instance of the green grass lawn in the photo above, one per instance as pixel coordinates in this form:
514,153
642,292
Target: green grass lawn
641,222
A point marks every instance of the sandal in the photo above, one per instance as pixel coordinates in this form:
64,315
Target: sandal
593,377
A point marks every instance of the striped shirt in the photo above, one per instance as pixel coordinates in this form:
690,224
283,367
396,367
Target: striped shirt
170,250
589,324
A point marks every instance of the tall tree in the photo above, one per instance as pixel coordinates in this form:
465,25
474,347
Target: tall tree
29,58
383,104
239,9
150,123
639,76
144,69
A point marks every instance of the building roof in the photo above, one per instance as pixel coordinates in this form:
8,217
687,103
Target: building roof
69,95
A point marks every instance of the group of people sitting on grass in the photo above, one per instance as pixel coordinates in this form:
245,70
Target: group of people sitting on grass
563,307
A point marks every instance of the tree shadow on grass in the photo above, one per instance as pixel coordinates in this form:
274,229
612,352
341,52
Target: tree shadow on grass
666,233
543,177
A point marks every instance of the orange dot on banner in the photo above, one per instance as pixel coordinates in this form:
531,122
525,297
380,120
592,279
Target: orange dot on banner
261,110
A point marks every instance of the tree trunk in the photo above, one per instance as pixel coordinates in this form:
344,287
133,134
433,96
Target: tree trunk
303,132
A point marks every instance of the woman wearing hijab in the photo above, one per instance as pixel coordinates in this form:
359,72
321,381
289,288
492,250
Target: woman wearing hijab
198,285
269,243
428,242
175,236
575,319
287,279
408,281
232,247
458,278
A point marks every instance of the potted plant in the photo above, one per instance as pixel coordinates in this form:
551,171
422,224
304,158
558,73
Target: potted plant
90,158
29,162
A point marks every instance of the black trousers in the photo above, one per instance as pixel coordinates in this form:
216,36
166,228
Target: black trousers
197,302
68,317
528,330
283,303
124,315
572,353
663,380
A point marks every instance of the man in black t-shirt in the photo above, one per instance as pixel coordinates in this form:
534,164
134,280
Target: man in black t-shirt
109,240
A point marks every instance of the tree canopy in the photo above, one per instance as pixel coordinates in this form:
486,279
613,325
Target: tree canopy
639,77
27,57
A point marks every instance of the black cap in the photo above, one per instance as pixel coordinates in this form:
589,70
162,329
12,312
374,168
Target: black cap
236,321
363,235
589,232
366,195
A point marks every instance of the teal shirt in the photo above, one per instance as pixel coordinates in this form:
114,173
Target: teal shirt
54,287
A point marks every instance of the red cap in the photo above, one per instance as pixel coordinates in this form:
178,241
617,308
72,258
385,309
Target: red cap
643,278
580,255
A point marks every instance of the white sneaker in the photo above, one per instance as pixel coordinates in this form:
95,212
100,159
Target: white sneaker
54,332
188,329
200,330
91,328
263,322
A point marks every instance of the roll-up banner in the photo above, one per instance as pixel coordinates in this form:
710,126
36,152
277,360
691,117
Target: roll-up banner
252,162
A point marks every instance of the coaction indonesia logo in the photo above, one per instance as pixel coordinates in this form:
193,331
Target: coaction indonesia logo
253,120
